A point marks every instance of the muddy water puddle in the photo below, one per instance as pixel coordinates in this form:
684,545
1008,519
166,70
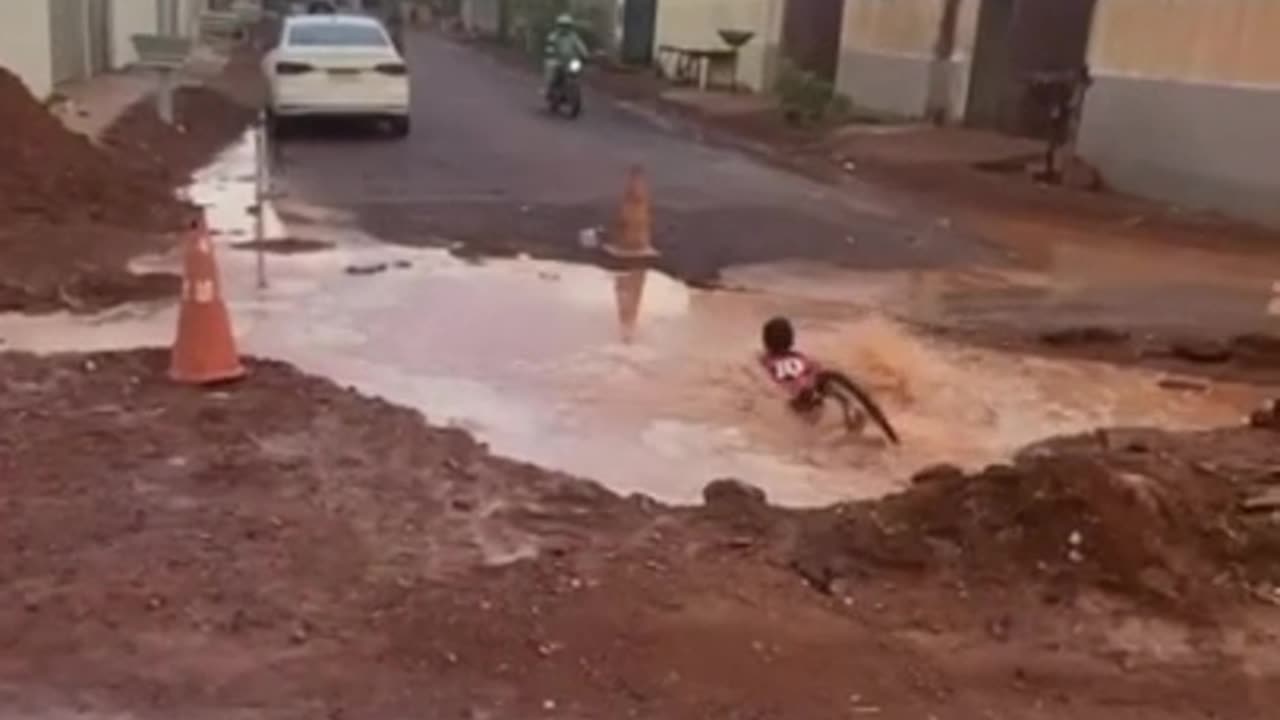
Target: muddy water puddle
1177,290
631,379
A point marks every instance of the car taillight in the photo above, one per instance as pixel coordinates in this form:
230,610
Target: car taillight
293,68
392,69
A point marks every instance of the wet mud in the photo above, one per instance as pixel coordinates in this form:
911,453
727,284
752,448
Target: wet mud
286,534
284,246
578,367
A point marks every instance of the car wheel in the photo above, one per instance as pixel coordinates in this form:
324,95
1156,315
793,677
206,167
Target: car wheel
400,127
276,126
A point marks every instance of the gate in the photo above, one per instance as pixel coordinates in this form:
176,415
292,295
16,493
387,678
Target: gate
79,38
639,24
68,40
1017,38
811,31
99,36
167,17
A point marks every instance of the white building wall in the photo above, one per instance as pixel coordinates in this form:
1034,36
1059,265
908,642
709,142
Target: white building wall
129,18
696,24
189,16
1185,103
24,43
887,62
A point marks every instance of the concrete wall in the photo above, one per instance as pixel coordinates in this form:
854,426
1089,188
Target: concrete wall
1186,102
189,16
25,48
886,55
26,34
129,19
695,24
1230,41
132,17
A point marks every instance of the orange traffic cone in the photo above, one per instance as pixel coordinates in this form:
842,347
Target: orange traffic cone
628,288
634,233
204,351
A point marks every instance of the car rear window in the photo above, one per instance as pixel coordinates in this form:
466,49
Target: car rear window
337,34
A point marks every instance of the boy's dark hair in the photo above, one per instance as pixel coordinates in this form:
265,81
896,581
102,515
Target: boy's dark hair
778,336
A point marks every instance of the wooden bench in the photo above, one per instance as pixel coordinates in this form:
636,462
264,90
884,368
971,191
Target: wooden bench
694,66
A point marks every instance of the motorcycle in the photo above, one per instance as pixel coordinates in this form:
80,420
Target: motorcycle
565,94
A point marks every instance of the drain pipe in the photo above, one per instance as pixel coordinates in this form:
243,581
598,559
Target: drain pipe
938,105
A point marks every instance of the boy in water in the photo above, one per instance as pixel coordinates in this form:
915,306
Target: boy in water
809,385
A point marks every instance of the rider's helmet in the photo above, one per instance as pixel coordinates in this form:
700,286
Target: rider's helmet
778,336
564,20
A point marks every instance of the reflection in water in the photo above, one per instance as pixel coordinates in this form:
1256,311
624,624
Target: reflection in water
628,288
527,355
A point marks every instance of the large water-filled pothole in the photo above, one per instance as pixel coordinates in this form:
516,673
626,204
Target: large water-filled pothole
631,378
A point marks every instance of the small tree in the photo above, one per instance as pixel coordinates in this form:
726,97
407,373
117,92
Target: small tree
531,20
805,96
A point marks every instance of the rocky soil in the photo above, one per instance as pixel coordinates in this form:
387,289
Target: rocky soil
285,548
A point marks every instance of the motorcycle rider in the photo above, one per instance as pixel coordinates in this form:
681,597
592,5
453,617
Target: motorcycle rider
563,45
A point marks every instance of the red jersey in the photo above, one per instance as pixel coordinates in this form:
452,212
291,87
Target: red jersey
792,370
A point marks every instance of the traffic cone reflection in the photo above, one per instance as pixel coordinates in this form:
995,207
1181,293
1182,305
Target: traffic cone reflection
204,350
633,235
628,288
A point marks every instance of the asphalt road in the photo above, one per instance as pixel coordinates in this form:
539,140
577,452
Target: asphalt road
487,167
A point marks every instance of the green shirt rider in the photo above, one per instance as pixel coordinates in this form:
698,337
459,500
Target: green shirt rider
563,44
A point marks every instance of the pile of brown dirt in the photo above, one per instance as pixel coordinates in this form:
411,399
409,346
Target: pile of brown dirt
54,175
73,214
79,267
284,548
206,120
1145,513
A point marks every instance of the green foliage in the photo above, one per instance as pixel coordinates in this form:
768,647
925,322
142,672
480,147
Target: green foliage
529,21
807,98
444,8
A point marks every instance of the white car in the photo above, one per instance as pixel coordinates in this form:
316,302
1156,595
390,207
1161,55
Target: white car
338,66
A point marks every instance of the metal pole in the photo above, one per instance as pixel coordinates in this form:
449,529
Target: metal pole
164,98
260,197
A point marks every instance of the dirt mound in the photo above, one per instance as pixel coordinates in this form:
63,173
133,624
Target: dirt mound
286,545
73,214
206,120
58,176
1144,513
